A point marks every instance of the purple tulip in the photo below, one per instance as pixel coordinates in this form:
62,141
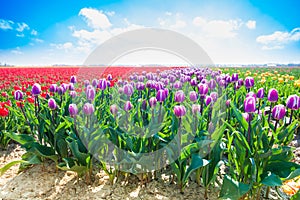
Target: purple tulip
53,88
212,84
86,83
293,102
128,90
18,95
65,87
172,78
73,110
193,96
240,82
278,112
273,95
114,109
152,102
177,85
196,109
52,104
214,96
73,94
71,86
202,89
140,86
109,77
228,103
179,96
193,82
60,90
94,83
260,93
102,84
161,95
235,77
73,79
88,109
179,111
36,89
166,91
208,100
128,106
249,82
246,116
249,104
90,93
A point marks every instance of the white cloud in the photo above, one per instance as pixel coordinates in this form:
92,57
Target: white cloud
251,24
179,24
64,46
278,39
95,18
218,28
168,13
34,32
17,51
272,47
22,26
6,24
20,35
37,40
110,13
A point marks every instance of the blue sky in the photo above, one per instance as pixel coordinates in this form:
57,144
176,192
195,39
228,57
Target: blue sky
35,32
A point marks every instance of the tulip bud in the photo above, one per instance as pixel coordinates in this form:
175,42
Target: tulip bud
128,89
193,96
36,89
86,83
193,82
128,106
196,109
260,93
88,109
273,95
212,84
235,77
71,86
179,96
60,90
251,94
73,110
202,89
250,104
52,104
73,94
177,85
102,84
179,111
278,112
214,96
249,82
228,103
18,95
152,102
246,116
109,77
90,93
53,88
94,83
161,95
208,100
140,86
73,79
293,102
113,109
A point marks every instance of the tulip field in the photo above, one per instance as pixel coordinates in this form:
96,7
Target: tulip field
224,128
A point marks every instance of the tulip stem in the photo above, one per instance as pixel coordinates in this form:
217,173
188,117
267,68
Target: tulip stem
276,123
291,117
258,106
22,109
270,113
249,129
179,136
201,108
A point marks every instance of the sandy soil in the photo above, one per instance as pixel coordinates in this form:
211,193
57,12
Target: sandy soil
44,182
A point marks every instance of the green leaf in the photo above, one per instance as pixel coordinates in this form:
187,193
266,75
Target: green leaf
232,189
9,165
272,180
22,139
196,163
81,157
239,116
